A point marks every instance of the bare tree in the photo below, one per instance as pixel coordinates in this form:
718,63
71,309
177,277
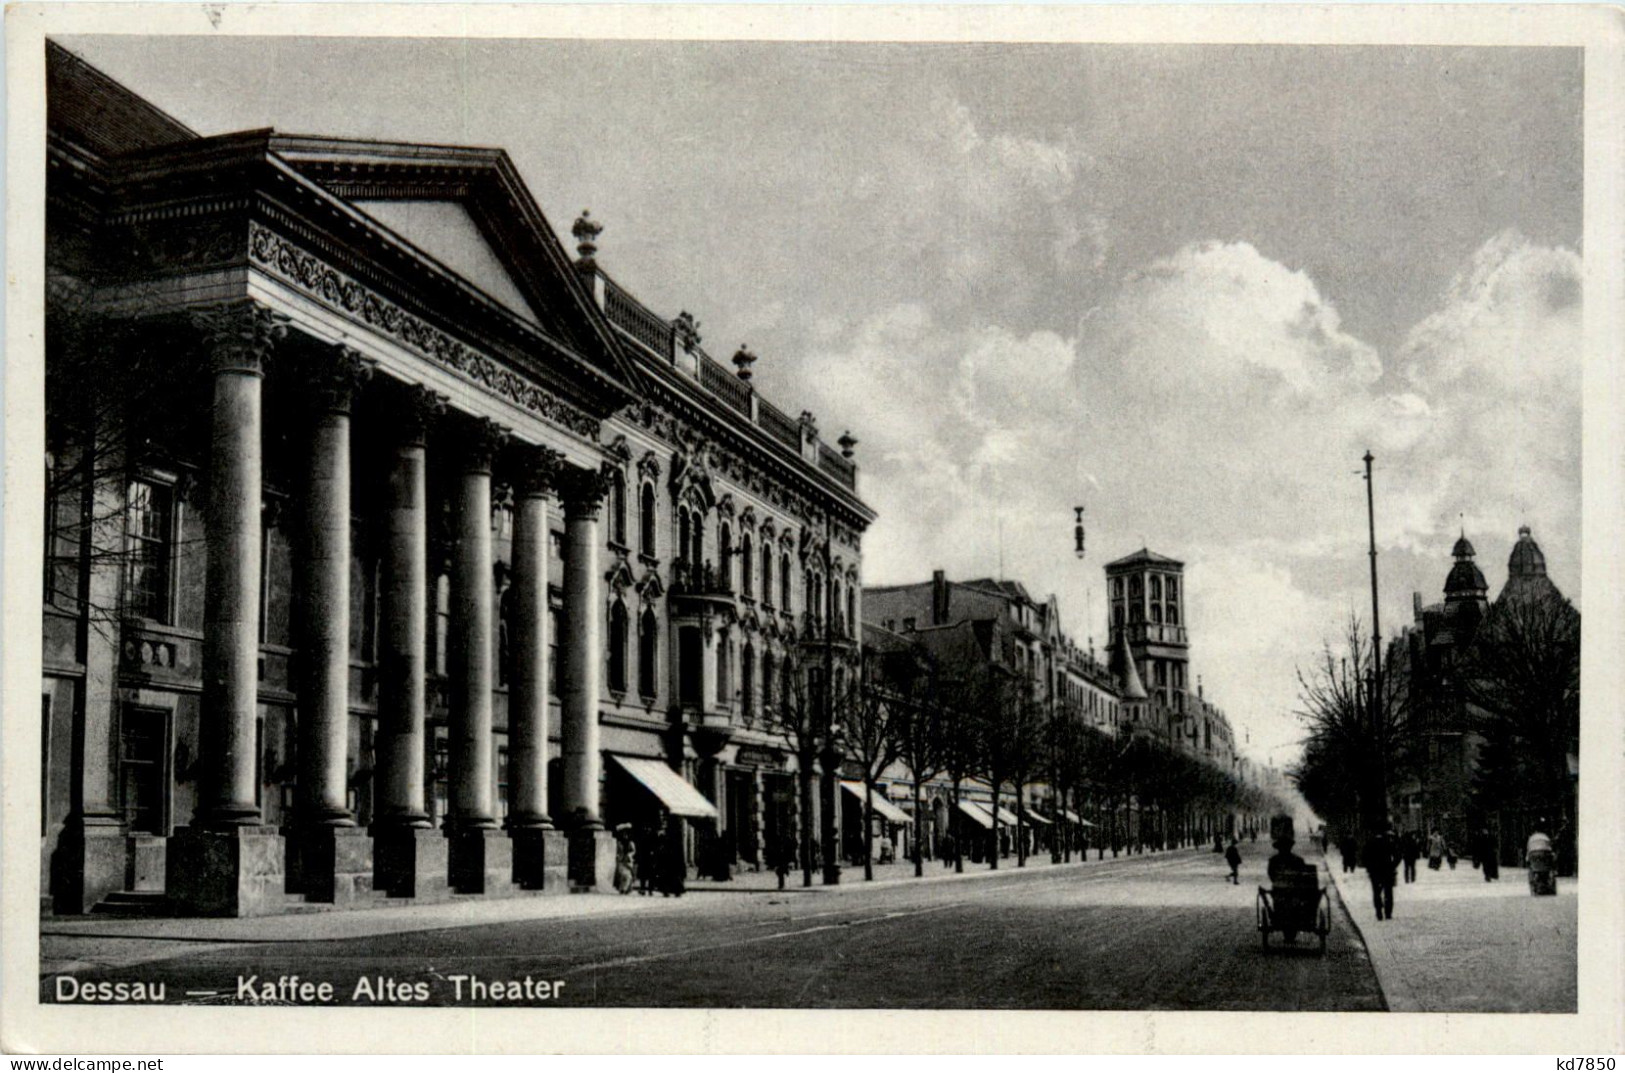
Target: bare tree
1352,723
917,728
870,734
802,719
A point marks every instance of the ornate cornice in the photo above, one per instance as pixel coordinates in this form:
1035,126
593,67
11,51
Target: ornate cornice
310,275
239,335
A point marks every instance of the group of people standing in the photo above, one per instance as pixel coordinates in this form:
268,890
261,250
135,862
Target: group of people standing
1386,856
651,859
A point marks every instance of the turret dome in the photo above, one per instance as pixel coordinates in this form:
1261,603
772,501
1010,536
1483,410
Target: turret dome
1527,560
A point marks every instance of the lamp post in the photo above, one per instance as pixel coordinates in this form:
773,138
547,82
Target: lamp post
1377,730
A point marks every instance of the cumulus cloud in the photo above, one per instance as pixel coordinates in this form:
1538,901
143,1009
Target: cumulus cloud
1214,407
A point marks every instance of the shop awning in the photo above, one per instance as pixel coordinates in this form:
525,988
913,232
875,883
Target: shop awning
977,813
1007,817
1073,817
878,802
674,792
1034,814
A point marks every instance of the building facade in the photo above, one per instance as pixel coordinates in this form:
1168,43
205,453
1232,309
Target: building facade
392,550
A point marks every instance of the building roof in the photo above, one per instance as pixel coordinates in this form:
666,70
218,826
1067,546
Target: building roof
1526,560
101,114
1143,556
1123,668
1013,590
1465,579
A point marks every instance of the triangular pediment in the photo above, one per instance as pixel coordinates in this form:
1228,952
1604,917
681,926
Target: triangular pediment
468,210
445,231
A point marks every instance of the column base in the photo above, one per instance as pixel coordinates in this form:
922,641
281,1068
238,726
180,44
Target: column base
541,859
334,864
89,863
411,862
592,859
481,860
229,872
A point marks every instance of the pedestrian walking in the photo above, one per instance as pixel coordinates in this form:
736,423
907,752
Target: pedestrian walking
1541,860
1486,855
785,854
1349,851
946,849
1409,852
1436,851
646,862
1232,857
1381,855
625,859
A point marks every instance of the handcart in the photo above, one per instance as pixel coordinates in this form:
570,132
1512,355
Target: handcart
1296,904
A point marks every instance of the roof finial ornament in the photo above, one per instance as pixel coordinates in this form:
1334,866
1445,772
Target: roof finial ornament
586,232
847,442
743,359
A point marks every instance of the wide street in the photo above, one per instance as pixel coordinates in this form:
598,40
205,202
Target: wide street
1159,931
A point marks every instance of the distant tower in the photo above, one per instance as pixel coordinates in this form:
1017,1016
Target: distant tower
1148,614
1466,593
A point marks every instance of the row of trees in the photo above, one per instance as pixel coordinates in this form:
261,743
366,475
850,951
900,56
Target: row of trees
975,720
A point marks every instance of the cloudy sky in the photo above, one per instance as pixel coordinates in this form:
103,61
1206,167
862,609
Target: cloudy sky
1186,287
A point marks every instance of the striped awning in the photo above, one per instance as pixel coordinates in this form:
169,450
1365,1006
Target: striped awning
878,802
670,788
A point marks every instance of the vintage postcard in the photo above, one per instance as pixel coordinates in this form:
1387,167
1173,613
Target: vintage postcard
670,529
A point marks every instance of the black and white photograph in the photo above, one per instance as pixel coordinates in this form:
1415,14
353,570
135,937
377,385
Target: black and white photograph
806,522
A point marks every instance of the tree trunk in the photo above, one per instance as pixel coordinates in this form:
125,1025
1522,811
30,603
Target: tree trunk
868,831
919,832
959,849
806,830
994,856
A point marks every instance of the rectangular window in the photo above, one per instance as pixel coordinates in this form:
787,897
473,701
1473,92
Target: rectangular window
690,653
553,629
143,733
150,525
502,782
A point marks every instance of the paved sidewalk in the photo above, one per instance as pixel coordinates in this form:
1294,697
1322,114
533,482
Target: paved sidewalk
1459,944
886,875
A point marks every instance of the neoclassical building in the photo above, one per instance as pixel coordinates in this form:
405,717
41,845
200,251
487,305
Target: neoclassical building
392,551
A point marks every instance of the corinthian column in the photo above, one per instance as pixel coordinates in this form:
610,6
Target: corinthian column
472,634
536,471
582,492
239,340
403,666
324,597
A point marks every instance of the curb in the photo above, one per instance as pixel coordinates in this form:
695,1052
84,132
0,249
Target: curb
1396,993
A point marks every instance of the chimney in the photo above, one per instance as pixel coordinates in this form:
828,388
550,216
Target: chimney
939,597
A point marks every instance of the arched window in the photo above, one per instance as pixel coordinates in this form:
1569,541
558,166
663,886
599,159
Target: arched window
724,679
767,678
725,550
851,611
617,647
747,572
784,581
767,576
646,520
648,639
682,535
787,685
835,600
617,507
747,680
1156,587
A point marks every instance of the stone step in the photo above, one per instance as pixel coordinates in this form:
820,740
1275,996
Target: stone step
133,903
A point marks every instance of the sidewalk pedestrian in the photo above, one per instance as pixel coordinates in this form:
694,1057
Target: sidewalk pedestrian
672,874
1409,852
1232,857
946,849
1486,855
1349,851
1541,860
1436,851
1381,856
625,859
646,860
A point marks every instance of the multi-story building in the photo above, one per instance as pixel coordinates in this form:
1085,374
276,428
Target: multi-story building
392,550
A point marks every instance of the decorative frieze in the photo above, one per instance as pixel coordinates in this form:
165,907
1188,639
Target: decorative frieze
310,275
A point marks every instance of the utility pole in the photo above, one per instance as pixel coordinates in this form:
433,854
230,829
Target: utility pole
1377,734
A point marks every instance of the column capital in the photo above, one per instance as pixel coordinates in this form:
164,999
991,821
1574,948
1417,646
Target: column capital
582,491
414,410
479,439
332,377
239,335
535,469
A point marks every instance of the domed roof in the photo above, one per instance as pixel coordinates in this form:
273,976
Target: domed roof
1465,579
1463,548
1527,560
